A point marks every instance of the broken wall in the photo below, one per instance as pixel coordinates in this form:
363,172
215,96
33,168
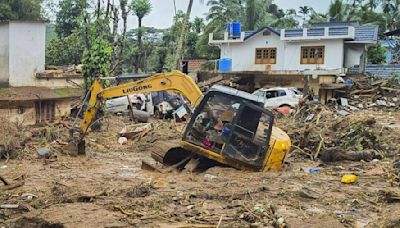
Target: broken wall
25,112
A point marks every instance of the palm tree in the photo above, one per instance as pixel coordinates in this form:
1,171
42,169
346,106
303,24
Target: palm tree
140,8
305,10
338,10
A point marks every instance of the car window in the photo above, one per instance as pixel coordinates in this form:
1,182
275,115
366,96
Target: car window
281,93
271,94
297,92
259,93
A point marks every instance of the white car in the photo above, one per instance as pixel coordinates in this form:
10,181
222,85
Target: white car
279,97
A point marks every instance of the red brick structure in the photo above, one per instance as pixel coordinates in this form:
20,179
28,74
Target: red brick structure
192,65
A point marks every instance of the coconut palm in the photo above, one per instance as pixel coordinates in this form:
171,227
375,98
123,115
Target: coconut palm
305,11
140,8
338,10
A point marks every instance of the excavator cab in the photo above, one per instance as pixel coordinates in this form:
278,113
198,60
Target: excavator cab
231,127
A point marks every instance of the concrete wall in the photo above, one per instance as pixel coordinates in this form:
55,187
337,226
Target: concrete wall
59,82
334,55
288,54
353,54
13,115
28,117
243,54
4,48
27,52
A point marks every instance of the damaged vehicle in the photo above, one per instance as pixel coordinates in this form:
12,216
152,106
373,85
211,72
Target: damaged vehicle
279,97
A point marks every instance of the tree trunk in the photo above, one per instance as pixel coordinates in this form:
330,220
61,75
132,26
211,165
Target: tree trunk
115,55
124,15
182,38
138,65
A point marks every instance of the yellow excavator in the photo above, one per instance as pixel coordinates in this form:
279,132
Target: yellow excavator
227,125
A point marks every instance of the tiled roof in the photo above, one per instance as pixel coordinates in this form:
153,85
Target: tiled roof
366,33
389,43
249,34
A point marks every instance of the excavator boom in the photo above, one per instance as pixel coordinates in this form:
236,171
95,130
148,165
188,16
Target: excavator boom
175,82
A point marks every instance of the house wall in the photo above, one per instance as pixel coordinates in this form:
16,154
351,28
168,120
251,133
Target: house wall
288,54
28,116
353,54
59,82
333,59
26,52
243,54
4,75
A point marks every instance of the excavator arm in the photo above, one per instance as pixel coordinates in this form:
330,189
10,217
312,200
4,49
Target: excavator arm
176,82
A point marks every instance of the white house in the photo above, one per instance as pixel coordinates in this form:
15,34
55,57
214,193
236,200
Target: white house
27,93
332,46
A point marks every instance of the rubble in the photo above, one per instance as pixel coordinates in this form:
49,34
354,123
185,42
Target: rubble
109,187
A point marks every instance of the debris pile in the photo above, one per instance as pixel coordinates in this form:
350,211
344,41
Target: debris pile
320,132
367,93
9,140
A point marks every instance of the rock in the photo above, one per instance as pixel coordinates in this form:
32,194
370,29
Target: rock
360,106
43,152
308,193
280,221
343,112
395,99
209,176
381,103
189,206
122,140
391,104
353,108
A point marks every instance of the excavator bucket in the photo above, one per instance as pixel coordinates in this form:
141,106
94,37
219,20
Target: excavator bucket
75,147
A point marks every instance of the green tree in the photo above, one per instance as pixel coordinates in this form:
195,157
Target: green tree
198,25
65,50
305,11
20,10
221,12
140,8
338,10
68,17
376,55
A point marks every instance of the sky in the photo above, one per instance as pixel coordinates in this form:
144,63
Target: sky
162,13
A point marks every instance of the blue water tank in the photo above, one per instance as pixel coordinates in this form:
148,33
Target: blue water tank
225,65
236,28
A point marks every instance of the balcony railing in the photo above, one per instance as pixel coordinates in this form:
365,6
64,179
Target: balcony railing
344,32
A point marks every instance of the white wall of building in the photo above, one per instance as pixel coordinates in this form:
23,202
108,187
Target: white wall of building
353,54
4,48
288,53
243,54
26,52
334,55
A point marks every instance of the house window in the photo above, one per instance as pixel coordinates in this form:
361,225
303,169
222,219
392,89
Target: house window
45,111
265,55
312,55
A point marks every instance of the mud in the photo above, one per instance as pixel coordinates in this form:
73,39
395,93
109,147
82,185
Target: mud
107,187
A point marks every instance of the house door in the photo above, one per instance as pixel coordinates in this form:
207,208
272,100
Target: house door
45,111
